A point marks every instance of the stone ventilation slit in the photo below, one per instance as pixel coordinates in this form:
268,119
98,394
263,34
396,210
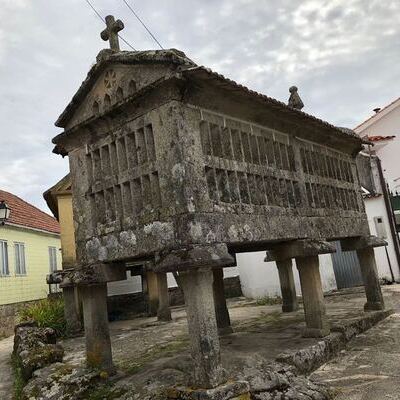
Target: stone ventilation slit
149,137
105,160
284,156
118,200
100,207
297,194
254,150
126,199
137,196
226,143
141,147
291,158
233,187
246,147
155,190
131,150
216,142
89,167
113,158
223,186
95,108
283,193
277,154
96,164
107,101
211,184
243,188
121,154
132,87
261,190
262,151
119,94
269,148
109,205
275,191
309,195
237,145
146,192
290,192
252,189
205,138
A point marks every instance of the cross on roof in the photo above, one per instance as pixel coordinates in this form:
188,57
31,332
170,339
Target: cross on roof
111,32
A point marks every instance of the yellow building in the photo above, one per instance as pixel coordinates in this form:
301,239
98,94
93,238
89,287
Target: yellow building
29,250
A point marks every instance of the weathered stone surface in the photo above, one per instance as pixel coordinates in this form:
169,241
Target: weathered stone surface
35,348
60,382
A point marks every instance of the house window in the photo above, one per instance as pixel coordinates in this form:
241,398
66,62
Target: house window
53,258
4,270
20,266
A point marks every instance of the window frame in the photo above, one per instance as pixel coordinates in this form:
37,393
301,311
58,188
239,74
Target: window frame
52,258
17,255
4,259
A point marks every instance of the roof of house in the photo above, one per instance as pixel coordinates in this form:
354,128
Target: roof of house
27,215
381,113
62,186
188,69
379,138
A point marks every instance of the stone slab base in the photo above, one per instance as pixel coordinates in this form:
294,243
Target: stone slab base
374,306
312,357
315,333
239,390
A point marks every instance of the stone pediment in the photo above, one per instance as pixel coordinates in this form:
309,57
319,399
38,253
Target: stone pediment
115,77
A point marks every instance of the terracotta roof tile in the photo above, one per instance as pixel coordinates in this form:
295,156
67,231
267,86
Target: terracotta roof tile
25,214
379,138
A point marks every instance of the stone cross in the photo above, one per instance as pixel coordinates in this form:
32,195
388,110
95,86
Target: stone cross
111,32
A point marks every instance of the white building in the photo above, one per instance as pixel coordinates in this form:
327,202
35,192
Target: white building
382,130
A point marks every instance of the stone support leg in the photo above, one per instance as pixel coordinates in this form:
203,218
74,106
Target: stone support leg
288,288
71,310
152,293
313,298
221,309
203,331
369,273
163,312
97,334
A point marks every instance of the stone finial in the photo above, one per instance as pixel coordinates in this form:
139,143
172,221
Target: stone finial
294,99
111,32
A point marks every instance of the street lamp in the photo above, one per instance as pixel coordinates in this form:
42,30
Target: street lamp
4,212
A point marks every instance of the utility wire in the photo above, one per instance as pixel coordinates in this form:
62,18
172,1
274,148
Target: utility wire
144,25
104,21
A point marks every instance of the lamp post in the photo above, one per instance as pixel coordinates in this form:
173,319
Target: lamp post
5,211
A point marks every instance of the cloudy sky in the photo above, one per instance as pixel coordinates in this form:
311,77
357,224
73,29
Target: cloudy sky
344,56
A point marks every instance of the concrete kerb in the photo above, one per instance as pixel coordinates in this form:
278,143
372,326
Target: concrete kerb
310,358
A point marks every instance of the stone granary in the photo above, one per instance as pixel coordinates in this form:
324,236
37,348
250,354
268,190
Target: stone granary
179,166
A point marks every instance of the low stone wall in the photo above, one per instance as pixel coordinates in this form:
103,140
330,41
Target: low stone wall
8,313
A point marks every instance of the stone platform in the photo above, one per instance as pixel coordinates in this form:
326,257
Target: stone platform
153,356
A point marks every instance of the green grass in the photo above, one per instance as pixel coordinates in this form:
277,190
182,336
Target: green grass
268,301
48,313
105,392
19,382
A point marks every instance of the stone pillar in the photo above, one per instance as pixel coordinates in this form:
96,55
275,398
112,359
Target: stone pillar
221,309
313,298
366,257
203,331
288,288
97,334
71,310
163,311
152,293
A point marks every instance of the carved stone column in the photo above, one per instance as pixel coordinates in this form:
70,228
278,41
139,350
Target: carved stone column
97,334
203,331
163,311
364,247
152,287
306,253
71,310
313,298
221,309
288,289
